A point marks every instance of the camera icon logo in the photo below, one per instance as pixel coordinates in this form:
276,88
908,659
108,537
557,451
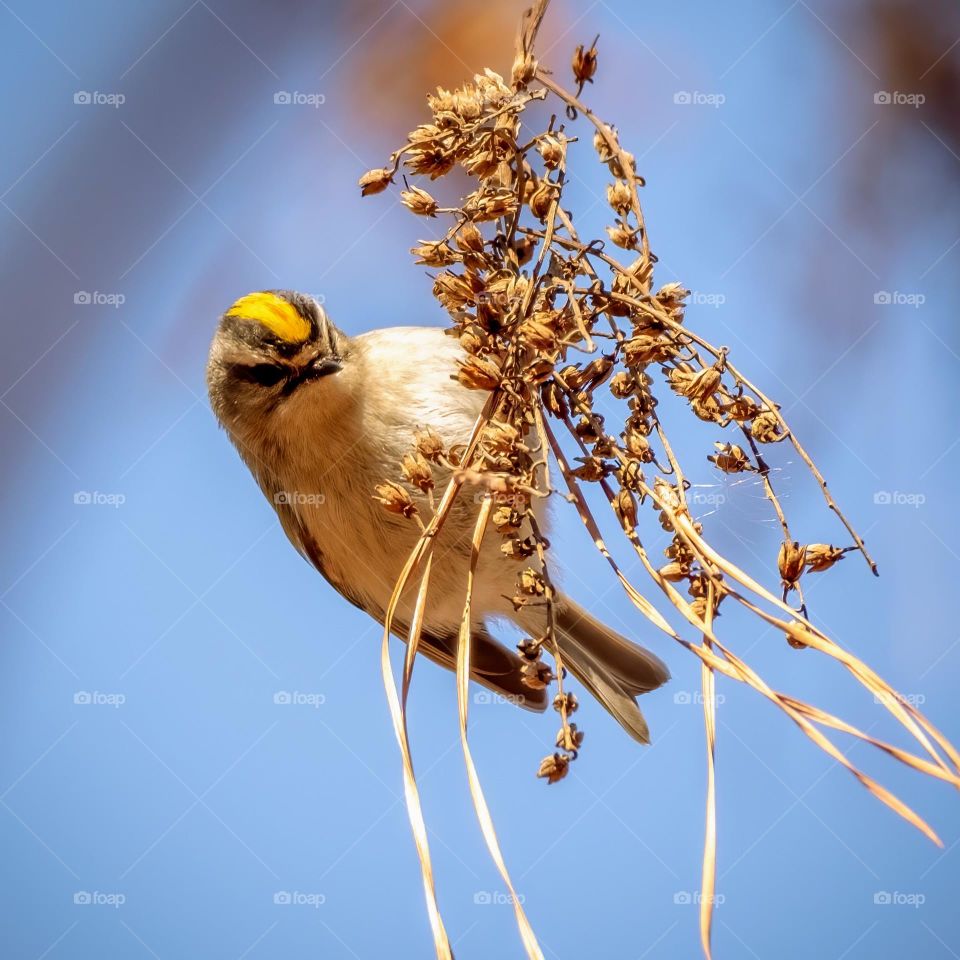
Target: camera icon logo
82,697
82,298
282,898
882,97
282,697
81,898
282,97
682,97
82,497
82,97
682,898
883,498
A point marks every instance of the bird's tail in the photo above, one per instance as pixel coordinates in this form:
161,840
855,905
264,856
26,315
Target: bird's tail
612,668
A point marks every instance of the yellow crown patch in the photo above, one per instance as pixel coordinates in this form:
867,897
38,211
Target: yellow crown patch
276,314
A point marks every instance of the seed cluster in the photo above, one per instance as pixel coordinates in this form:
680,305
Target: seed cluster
550,324
546,321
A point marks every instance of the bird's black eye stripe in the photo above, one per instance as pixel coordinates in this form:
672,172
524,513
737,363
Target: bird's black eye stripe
264,374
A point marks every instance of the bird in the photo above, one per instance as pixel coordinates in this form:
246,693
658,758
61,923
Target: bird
321,418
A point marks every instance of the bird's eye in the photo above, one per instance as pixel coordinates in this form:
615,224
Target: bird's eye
264,374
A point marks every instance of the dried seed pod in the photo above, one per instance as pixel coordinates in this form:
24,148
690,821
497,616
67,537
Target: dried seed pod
766,428
570,738
507,520
586,430
375,181
416,471
623,166
453,290
741,409
592,469
541,200
565,702
538,335
500,438
624,237
791,561
584,64
704,383
670,297
536,675
626,508
476,373
523,71
731,458
707,409
553,398
552,151
647,348
619,197
601,145
396,499
419,201
524,249
591,376
469,238
475,341
622,385
518,549
429,445
822,556
638,446
530,649
674,572
434,253
555,768
531,583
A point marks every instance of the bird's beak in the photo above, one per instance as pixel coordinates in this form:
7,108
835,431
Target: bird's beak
323,367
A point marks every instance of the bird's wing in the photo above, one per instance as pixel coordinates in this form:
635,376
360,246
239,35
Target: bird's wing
491,664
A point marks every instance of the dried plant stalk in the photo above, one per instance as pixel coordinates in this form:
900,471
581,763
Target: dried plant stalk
532,305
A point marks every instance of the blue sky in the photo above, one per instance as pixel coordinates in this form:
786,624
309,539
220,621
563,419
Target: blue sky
182,794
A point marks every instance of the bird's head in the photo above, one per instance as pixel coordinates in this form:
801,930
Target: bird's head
270,350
